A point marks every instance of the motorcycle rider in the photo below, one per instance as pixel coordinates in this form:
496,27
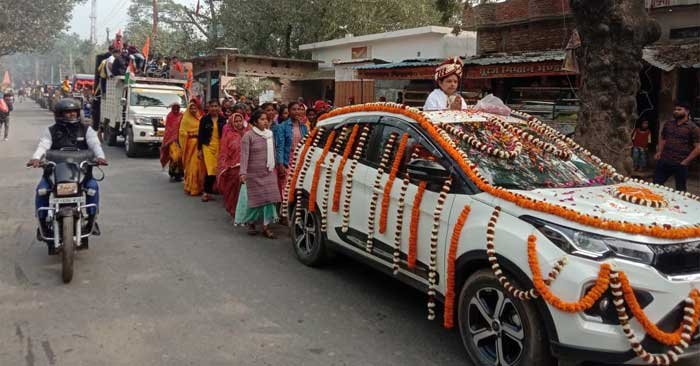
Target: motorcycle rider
67,132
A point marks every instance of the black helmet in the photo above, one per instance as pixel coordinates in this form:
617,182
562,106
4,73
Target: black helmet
66,105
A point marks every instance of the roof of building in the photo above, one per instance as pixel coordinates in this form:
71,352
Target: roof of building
419,62
376,36
513,58
259,57
669,56
322,74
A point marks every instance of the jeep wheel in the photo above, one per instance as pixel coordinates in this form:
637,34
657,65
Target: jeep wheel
133,150
307,238
497,328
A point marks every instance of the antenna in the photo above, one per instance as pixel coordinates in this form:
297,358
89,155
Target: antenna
93,22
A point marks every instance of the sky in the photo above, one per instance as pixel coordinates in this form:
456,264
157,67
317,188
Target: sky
111,14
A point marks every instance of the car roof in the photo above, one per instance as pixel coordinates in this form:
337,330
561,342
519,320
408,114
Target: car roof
438,117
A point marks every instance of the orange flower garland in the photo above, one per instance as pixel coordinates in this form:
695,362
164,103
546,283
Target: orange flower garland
669,339
300,159
474,142
448,315
601,284
329,175
341,167
657,231
640,196
376,188
386,197
302,175
292,166
432,264
415,220
317,171
349,178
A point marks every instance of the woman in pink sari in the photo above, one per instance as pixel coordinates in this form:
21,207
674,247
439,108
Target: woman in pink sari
229,164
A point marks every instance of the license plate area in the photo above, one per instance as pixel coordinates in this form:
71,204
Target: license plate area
66,200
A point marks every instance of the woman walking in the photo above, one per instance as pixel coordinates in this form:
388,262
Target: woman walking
229,165
210,129
259,193
170,150
288,134
191,161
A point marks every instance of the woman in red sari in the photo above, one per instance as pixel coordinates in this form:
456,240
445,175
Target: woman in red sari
229,164
170,150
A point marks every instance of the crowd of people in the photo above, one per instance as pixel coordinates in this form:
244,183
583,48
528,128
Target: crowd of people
239,152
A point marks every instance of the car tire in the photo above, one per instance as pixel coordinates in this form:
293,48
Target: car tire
307,239
497,328
132,149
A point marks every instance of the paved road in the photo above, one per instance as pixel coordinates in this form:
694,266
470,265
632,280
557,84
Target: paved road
170,281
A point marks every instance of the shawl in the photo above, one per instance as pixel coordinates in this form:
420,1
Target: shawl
267,135
230,150
172,131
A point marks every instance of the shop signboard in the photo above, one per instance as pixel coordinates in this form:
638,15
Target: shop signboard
514,70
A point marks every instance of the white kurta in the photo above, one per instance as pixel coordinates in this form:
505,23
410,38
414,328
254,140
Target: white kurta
438,101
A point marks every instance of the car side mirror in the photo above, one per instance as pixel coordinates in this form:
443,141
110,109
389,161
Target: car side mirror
427,170
122,102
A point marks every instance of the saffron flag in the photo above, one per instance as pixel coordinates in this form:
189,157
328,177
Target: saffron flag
188,85
130,73
146,47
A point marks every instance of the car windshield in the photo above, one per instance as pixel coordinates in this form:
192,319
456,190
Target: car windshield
156,98
533,166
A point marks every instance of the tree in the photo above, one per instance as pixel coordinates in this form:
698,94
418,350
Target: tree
613,33
31,26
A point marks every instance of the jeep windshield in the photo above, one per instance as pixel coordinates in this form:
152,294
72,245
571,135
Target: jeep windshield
531,168
156,97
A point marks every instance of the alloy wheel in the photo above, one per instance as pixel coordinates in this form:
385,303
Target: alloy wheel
305,235
495,326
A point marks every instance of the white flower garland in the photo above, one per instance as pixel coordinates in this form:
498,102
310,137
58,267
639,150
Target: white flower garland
561,152
302,174
284,212
474,142
399,218
348,178
639,201
377,189
669,189
672,354
432,270
344,133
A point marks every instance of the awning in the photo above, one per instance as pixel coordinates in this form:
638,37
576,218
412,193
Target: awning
669,56
525,64
413,69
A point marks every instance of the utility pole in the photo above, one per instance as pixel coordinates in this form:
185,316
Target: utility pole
36,68
107,30
93,22
71,69
154,29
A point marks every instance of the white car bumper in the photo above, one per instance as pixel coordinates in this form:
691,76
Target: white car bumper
145,134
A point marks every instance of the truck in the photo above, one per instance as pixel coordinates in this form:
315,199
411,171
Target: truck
136,109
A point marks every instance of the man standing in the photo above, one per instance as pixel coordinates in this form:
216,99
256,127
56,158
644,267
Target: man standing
5,109
679,145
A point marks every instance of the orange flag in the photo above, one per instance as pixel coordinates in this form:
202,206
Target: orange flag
188,85
146,47
6,79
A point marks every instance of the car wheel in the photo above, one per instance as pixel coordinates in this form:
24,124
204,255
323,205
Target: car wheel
132,149
497,328
309,245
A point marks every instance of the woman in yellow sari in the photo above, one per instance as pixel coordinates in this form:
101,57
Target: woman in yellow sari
191,160
211,129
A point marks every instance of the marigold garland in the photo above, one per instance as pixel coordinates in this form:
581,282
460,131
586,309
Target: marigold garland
376,188
339,174
669,339
415,221
474,142
386,197
327,178
399,224
665,232
448,315
546,146
640,196
682,335
432,264
302,175
317,171
292,166
301,158
669,189
349,177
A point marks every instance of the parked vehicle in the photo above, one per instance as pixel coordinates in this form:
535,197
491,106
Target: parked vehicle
137,111
67,216
476,209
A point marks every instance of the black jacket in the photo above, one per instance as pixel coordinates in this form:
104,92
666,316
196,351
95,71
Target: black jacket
206,129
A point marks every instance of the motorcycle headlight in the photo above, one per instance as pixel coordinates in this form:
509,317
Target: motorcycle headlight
66,189
589,245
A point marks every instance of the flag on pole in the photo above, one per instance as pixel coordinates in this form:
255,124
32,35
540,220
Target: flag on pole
130,73
188,84
146,47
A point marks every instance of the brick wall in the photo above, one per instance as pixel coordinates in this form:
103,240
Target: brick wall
533,36
513,11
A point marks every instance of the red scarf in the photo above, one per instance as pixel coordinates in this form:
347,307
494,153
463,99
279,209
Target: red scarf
172,130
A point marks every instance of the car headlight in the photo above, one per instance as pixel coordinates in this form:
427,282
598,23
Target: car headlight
141,121
589,245
66,189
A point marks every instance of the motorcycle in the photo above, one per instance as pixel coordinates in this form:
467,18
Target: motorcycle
66,171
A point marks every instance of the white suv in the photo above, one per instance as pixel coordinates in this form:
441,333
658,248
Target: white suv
536,248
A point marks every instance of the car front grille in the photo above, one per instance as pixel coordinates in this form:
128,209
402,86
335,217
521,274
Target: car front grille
677,259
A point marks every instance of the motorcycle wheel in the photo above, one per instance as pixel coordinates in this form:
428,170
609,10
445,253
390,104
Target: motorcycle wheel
68,248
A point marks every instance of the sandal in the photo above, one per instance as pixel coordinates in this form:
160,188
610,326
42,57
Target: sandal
268,234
